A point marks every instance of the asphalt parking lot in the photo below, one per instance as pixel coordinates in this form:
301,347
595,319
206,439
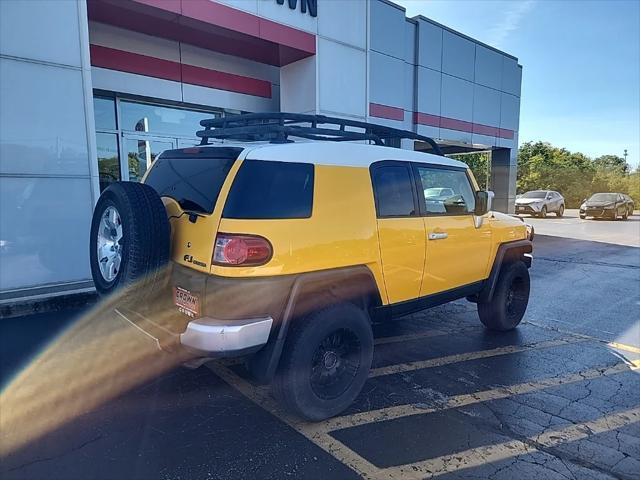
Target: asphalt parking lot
555,399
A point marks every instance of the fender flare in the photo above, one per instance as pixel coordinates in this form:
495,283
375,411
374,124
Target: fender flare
507,252
264,363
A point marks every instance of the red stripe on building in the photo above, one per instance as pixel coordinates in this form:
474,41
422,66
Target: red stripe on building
461,126
113,59
385,111
134,63
426,119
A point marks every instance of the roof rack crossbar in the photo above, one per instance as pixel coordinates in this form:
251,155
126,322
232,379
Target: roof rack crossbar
277,127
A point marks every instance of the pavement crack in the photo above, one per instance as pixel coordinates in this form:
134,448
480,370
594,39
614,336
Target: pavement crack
54,457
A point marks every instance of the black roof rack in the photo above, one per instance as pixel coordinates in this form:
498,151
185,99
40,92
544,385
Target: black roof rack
277,127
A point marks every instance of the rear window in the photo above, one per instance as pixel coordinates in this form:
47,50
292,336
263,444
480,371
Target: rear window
271,190
192,180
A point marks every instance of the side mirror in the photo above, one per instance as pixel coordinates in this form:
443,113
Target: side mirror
484,201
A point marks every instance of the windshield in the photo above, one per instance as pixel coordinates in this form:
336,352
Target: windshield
603,197
535,194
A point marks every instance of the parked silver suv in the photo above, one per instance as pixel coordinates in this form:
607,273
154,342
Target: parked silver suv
538,203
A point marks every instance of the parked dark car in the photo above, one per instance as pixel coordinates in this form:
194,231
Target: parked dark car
631,206
605,205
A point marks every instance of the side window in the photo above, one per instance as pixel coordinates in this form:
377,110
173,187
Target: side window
271,190
446,192
393,191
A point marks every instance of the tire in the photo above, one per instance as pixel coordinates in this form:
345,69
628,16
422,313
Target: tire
304,383
614,216
543,212
510,298
143,244
625,215
583,217
560,212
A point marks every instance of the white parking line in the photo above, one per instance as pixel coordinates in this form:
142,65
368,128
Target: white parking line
391,413
479,456
463,357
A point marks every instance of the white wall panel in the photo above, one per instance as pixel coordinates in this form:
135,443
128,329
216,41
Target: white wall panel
430,45
486,106
427,131
298,89
341,77
42,118
488,67
511,76
458,55
345,21
45,226
429,91
485,140
509,111
457,98
384,72
387,24
410,42
134,42
237,101
40,30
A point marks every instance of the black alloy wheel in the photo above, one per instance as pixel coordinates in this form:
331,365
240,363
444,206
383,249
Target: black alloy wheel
335,364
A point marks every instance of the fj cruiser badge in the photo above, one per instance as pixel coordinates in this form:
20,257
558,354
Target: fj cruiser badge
190,259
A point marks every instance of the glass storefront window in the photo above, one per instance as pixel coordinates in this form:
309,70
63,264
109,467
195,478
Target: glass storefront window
108,159
140,117
104,110
141,153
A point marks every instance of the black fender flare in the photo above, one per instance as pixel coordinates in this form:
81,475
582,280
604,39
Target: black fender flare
507,252
264,363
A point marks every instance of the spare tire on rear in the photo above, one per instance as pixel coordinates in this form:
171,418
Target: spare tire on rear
129,241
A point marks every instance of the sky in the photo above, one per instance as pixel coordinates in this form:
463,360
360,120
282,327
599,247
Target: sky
581,65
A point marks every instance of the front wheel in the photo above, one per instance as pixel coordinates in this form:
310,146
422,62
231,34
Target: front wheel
625,215
543,212
325,362
582,217
509,302
560,211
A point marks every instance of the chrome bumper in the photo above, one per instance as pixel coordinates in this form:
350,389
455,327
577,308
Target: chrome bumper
226,337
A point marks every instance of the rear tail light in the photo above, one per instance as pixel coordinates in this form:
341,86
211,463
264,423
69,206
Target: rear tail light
241,250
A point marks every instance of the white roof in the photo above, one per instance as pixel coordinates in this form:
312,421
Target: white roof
346,154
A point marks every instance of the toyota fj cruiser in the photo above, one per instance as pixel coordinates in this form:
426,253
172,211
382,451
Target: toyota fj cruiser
285,252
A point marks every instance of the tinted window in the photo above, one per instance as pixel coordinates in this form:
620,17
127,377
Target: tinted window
393,192
194,182
446,191
271,190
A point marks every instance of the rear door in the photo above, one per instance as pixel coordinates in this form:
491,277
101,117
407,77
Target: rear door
458,251
401,232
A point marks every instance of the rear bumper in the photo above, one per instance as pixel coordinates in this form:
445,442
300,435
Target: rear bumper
221,338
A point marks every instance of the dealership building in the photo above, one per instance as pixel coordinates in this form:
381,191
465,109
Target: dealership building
91,91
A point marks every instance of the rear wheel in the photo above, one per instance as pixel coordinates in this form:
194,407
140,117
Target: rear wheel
583,217
625,215
560,211
129,240
325,362
509,302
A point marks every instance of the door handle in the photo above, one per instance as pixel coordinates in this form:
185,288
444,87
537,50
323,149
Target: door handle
438,235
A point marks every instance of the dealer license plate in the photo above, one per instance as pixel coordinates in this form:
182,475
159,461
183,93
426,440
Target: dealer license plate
187,302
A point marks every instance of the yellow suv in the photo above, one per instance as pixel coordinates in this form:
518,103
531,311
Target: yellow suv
286,252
